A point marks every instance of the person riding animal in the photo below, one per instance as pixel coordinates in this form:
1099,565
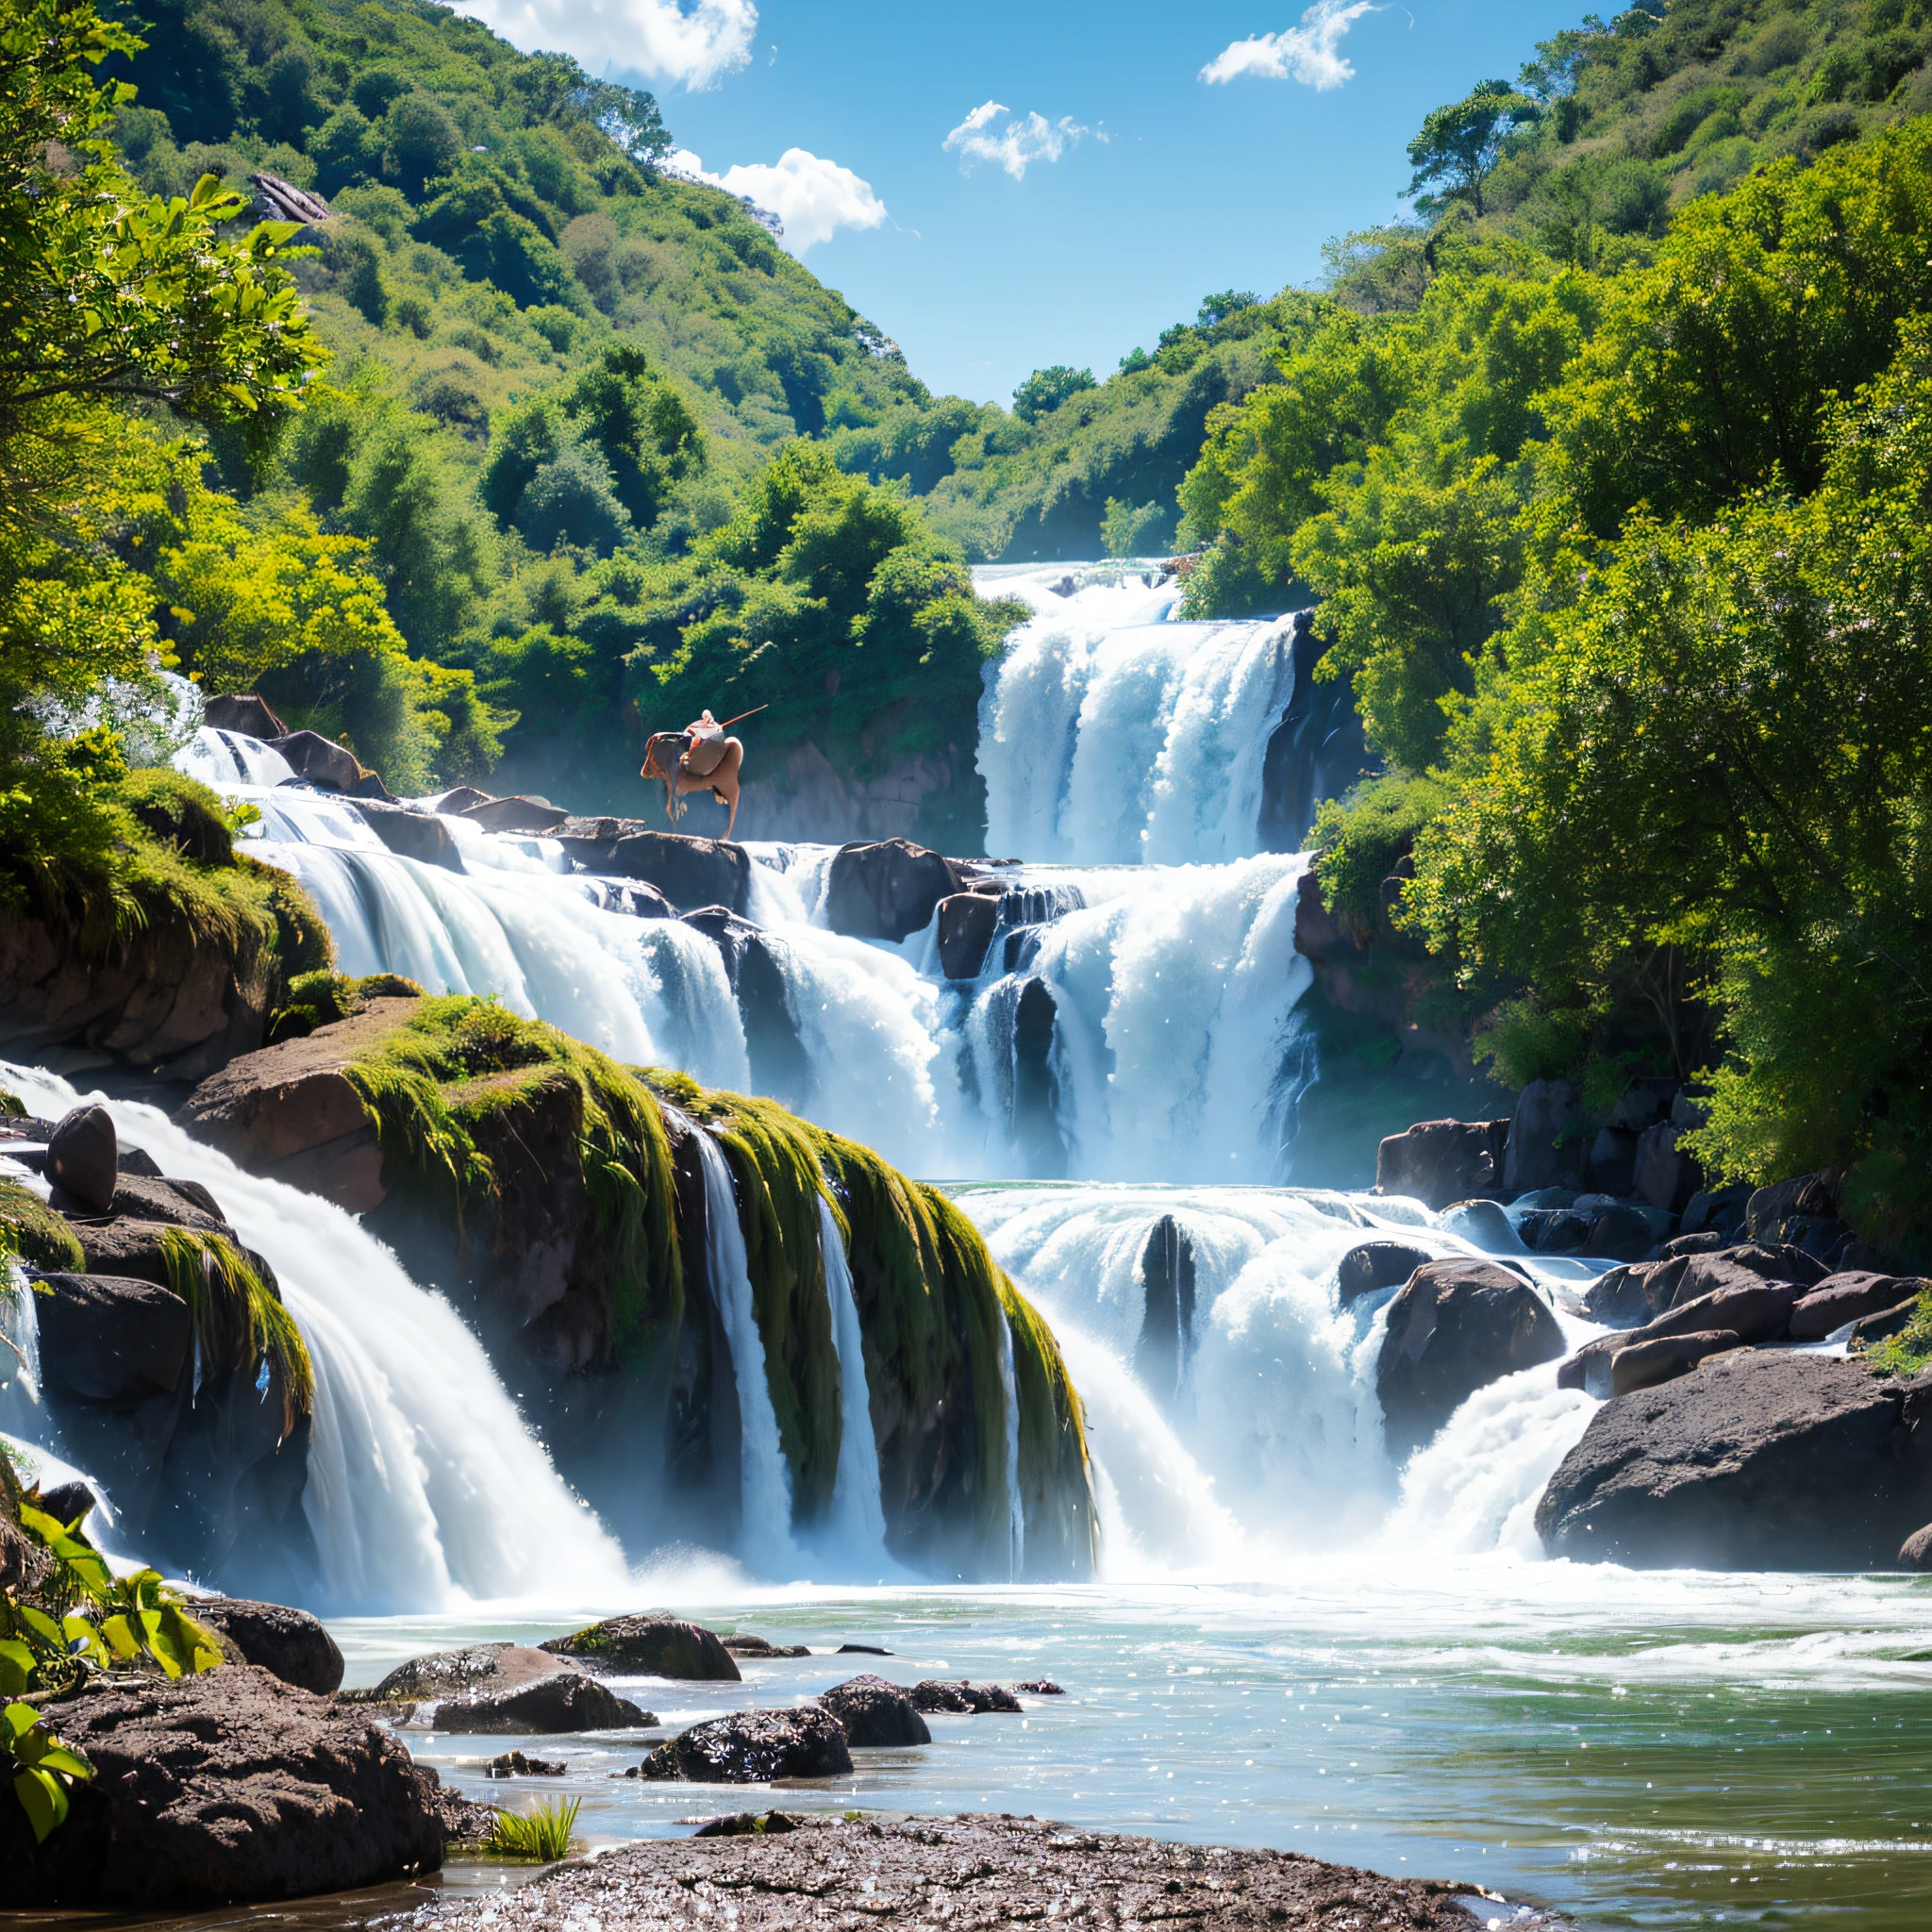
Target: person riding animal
705,760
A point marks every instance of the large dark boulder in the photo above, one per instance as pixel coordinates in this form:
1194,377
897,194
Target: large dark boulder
218,1789
1457,1327
754,1747
320,762
888,890
875,1715
689,871
1372,1265
1540,1151
249,715
780,1066
83,1157
419,835
1439,1161
112,1339
1849,1297
1756,1312
493,1689
1758,1460
967,923
648,1646
287,1643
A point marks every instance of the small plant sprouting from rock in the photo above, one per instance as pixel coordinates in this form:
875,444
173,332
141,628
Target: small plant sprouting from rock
238,1320
44,1766
543,1834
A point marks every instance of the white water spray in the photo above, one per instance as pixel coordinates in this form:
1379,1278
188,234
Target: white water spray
1108,734
764,1479
857,1516
425,1489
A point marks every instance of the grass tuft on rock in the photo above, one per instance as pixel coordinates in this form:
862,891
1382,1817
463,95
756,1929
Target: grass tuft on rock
240,1321
1911,1350
32,1230
541,1835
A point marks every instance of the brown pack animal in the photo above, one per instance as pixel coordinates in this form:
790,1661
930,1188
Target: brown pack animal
665,760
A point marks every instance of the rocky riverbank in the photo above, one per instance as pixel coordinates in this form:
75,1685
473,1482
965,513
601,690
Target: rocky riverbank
779,1873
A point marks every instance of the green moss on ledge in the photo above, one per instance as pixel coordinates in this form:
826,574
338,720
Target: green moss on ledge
445,1092
32,1230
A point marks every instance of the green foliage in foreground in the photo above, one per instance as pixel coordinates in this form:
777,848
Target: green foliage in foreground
70,1614
542,1834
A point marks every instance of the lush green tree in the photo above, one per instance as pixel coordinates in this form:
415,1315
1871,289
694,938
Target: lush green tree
1459,146
1045,390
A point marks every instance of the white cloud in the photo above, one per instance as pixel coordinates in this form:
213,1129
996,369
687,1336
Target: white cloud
698,45
1309,53
1018,144
812,196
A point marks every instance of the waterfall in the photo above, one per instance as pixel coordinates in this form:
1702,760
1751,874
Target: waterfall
1016,1508
857,1515
1110,735
226,758
20,1414
1174,995
764,1479
425,1489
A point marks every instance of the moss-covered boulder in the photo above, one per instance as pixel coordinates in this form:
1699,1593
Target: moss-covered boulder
559,1198
168,951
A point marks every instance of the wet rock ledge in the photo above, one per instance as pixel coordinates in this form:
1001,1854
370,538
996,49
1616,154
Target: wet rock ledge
799,1875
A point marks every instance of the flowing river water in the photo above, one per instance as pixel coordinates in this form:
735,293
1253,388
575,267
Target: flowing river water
1292,1640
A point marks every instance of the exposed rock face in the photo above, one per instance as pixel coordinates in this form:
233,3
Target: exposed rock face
1758,1460
112,1338
287,1643
888,890
1374,1265
1664,1357
515,814
754,1747
288,1111
249,714
689,871
875,1715
1457,1327
744,1643
320,762
1166,1274
503,1688
1439,1161
414,834
826,1874
221,1789
83,1156
1538,1156
1849,1297
967,923
779,1064
1915,1553
647,1646
961,1699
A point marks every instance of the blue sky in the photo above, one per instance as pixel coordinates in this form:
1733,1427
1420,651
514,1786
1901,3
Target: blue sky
1013,183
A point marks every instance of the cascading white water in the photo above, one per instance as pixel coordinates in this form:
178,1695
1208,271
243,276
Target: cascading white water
425,1489
226,758
1016,1508
858,1522
1109,734
1175,995
764,1478
1271,1441
20,1414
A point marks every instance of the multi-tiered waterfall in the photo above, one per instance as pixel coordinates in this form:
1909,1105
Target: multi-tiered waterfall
1129,1045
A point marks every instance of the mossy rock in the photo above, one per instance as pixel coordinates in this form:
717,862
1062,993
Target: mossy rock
650,1647
40,1237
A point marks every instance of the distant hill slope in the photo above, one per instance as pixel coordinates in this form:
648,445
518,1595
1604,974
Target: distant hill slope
466,173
